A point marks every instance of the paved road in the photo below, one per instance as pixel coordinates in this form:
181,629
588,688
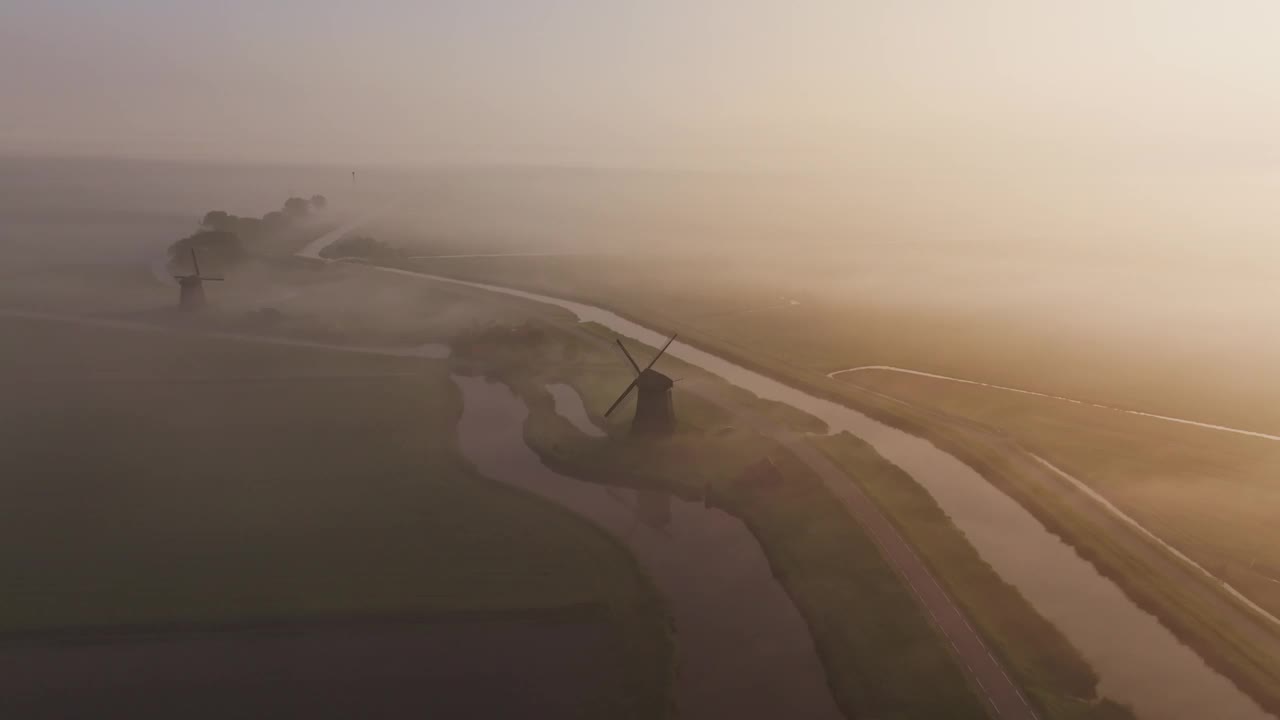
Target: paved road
1020,391
1233,614
1100,502
1002,694
1003,697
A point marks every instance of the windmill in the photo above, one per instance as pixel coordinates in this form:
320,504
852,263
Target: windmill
191,287
654,412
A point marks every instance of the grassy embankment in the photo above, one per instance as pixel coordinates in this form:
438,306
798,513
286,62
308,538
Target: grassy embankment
1052,673
1238,645
1211,494
881,655
154,479
770,346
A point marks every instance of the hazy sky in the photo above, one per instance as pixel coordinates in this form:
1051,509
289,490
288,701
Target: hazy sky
679,82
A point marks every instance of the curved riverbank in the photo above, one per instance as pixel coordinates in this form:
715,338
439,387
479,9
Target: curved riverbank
744,649
568,404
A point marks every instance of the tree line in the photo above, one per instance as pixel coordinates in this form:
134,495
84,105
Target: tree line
224,239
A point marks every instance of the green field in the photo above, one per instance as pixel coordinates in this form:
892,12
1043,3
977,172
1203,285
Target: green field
160,479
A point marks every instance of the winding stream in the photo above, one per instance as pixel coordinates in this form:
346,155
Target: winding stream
1138,661
744,650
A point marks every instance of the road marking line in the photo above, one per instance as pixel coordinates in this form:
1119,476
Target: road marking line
1006,388
1127,519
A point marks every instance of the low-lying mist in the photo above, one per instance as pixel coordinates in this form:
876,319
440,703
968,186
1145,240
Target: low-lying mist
1157,278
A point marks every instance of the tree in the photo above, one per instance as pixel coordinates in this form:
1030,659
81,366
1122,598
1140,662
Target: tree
249,229
362,246
218,220
218,247
272,221
296,207
319,202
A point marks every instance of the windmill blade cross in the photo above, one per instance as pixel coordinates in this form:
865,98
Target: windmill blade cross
629,358
195,264
664,349
622,397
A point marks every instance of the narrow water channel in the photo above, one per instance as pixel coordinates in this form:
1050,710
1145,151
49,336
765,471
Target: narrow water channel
1139,662
743,649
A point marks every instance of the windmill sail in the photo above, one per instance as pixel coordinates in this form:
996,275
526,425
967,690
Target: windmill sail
629,358
191,287
623,396
647,375
664,349
195,270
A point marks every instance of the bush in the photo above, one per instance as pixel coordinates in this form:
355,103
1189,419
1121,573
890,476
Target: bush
296,207
225,238
217,249
363,247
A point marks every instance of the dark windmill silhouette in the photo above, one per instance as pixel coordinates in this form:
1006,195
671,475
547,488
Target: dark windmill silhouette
654,412
191,287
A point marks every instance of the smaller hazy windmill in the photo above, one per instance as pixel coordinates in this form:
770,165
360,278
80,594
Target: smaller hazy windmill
191,287
654,412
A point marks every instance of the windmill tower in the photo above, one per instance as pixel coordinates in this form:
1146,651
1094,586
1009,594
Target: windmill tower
191,287
655,414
